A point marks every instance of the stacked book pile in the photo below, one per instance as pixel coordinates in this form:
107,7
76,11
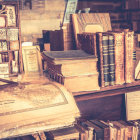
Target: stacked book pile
116,54
75,69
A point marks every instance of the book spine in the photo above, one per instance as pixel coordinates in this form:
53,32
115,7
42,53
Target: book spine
103,63
119,57
129,63
111,52
105,59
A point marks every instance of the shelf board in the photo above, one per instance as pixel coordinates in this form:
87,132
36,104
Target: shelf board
107,91
8,51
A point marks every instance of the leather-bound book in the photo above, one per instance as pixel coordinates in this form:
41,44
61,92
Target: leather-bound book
129,130
119,56
111,55
104,127
129,62
102,51
87,42
98,132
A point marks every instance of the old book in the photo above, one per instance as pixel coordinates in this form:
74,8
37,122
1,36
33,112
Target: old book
78,83
98,132
32,60
121,129
87,42
111,57
129,63
119,56
90,22
129,130
71,63
132,105
63,134
24,109
102,45
104,126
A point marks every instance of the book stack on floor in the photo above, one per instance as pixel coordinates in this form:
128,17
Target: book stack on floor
116,54
75,69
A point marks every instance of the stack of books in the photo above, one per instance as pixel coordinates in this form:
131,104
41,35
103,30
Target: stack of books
116,54
75,69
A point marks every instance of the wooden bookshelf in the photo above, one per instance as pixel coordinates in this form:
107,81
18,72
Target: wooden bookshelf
107,91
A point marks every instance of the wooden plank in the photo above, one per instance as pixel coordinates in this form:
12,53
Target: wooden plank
108,91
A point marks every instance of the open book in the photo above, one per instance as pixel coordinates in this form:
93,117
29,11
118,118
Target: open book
36,107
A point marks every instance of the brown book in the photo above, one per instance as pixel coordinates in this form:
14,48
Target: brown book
121,128
119,56
90,22
98,132
105,127
87,42
79,83
129,129
63,134
129,63
70,63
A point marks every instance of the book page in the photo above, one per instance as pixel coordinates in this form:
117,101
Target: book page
132,105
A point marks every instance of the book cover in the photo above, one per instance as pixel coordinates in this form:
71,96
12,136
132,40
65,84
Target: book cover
87,82
104,127
87,42
103,63
93,22
70,56
111,55
129,62
119,56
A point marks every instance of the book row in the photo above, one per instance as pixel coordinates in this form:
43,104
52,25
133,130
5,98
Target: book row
116,55
92,130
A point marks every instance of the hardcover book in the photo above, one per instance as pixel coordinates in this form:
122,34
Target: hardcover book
70,56
129,62
119,56
102,46
87,42
111,57
87,82
90,22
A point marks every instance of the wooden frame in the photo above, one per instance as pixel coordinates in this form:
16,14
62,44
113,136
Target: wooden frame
32,60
